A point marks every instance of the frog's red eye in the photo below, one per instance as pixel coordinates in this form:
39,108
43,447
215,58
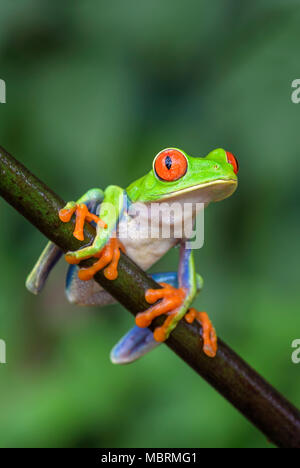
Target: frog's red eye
170,164
233,161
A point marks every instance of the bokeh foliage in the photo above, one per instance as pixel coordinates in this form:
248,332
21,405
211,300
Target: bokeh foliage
94,91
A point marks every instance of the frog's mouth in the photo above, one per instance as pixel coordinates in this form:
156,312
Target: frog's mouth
212,191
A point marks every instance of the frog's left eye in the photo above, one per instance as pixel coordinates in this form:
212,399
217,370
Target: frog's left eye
170,165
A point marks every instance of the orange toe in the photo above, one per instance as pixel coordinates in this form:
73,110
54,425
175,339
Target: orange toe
111,271
71,260
81,214
210,345
66,215
160,334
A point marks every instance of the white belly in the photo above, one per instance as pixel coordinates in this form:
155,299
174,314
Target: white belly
146,253
148,234
144,249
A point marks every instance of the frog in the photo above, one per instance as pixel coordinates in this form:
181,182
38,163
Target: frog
121,218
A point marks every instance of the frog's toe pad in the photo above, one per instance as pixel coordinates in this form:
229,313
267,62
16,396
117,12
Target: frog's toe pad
132,346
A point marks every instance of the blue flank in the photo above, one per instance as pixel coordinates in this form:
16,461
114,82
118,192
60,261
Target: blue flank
168,277
71,273
185,267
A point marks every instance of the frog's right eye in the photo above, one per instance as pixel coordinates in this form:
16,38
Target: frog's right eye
233,161
170,164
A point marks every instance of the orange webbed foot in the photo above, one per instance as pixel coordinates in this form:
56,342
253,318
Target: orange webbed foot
108,258
82,215
210,345
170,299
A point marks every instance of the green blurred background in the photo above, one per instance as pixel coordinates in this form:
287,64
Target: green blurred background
94,90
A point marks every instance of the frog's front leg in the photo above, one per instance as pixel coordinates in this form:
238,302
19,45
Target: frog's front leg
51,254
106,247
84,210
174,302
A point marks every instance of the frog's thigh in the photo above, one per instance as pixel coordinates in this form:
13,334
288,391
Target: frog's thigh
85,292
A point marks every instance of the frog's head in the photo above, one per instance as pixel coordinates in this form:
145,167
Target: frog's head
176,175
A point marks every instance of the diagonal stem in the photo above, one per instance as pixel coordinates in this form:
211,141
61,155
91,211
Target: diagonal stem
232,377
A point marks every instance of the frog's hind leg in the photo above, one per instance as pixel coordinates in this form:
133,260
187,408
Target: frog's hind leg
40,272
88,293
174,302
139,341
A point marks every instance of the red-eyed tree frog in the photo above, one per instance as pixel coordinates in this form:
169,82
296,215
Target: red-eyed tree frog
174,177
